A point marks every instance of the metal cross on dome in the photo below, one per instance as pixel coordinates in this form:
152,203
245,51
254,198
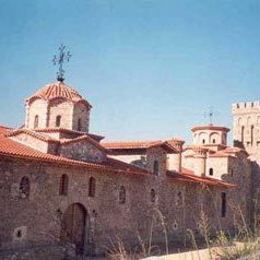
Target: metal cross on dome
59,59
210,114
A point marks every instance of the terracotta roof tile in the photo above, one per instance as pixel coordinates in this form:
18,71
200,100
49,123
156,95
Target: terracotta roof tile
10,148
210,127
58,89
133,145
81,138
68,131
189,176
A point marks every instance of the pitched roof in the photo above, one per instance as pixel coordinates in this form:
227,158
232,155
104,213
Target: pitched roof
189,176
58,89
38,136
4,130
10,148
68,131
137,145
82,138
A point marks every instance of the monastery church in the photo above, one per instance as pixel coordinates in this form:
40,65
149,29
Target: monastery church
61,185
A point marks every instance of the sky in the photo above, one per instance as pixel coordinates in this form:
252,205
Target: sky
150,68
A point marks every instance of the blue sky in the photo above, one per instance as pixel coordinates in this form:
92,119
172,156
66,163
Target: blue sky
150,68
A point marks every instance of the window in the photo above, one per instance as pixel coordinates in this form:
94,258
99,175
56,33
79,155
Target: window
231,172
92,187
79,124
203,141
223,204
211,171
179,198
24,187
242,134
64,184
155,167
36,121
153,196
122,195
252,134
19,234
58,120
214,141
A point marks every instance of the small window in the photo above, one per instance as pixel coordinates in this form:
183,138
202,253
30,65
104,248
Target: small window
155,167
214,141
64,184
179,198
223,204
36,121
203,141
79,124
58,121
19,234
211,171
92,187
24,187
153,195
122,195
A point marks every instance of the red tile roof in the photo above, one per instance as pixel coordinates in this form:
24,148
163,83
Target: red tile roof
82,138
135,145
10,148
58,89
38,136
228,152
189,176
68,131
210,127
4,130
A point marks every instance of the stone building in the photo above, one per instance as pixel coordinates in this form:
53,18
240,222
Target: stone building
61,185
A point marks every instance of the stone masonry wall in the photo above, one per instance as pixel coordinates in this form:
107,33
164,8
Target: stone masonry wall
83,151
38,217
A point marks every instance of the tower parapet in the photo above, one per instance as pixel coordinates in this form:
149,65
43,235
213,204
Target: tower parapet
246,125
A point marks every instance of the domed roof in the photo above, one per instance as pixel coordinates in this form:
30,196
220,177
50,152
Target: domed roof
56,90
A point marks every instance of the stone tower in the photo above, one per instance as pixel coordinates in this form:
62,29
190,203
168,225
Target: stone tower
57,106
246,126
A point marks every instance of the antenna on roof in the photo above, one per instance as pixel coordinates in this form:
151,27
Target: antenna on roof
210,114
59,60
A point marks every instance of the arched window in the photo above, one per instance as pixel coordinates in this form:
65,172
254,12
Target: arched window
223,204
64,184
24,187
155,167
122,195
92,187
252,134
214,141
153,195
79,124
58,120
36,121
211,171
203,141
242,134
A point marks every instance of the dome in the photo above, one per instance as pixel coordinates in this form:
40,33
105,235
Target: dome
57,90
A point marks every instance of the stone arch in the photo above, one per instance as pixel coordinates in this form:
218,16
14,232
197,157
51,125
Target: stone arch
203,138
74,226
214,138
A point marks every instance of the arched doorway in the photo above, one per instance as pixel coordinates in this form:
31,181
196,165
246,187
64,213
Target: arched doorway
73,226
